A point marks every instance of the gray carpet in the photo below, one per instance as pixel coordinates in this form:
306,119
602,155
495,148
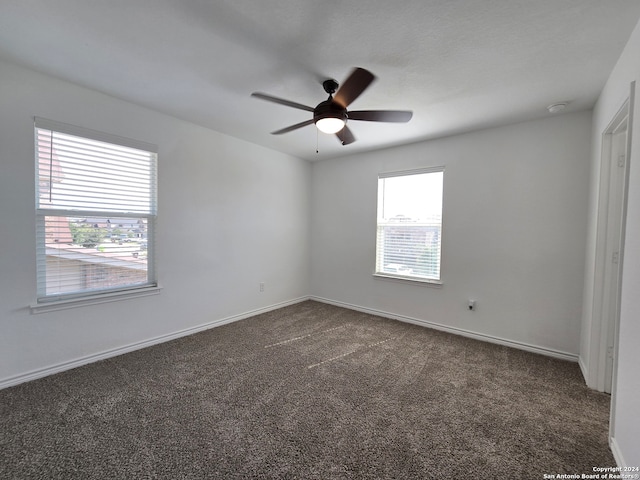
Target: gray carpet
310,391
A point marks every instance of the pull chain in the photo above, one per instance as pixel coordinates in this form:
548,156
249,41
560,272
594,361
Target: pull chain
317,135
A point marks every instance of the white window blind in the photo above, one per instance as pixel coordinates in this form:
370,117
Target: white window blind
409,224
95,208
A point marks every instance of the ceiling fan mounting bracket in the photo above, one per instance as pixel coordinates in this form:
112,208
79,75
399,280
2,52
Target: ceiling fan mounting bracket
330,86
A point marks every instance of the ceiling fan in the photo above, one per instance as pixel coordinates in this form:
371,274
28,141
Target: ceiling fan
331,116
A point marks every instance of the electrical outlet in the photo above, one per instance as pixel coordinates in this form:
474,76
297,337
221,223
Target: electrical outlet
262,286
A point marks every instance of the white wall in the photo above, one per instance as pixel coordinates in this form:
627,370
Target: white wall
626,394
515,218
231,215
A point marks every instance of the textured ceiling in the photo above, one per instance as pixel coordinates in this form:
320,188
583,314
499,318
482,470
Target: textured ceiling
459,65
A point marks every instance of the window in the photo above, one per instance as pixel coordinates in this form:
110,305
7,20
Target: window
95,210
409,233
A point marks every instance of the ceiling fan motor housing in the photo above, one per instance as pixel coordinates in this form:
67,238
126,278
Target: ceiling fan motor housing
329,109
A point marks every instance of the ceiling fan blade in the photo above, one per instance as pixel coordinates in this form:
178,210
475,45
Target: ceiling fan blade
397,116
281,101
345,136
353,86
293,127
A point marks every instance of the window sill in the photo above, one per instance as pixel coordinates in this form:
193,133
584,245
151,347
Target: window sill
410,280
65,304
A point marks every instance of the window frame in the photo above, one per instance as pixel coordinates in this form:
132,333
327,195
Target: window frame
56,301
416,280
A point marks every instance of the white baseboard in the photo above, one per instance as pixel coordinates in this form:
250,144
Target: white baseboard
454,330
583,369
61,367
617,454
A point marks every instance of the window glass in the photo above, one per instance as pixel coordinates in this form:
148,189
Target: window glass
95,209
409,224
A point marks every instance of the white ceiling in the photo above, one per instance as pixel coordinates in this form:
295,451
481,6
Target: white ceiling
459,65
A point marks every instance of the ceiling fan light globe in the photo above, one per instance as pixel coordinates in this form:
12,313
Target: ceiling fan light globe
330,124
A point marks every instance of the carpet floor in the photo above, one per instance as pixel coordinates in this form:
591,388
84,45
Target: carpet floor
309,391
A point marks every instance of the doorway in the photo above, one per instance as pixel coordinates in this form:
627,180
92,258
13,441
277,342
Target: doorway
609,246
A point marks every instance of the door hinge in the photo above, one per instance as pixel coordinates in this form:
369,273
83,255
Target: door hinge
610,352
622,160
615,258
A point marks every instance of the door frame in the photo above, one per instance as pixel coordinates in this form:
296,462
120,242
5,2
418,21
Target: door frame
604,327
